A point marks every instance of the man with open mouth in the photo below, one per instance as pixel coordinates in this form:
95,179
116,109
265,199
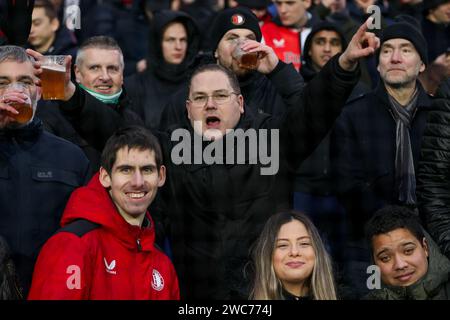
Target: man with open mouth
213,212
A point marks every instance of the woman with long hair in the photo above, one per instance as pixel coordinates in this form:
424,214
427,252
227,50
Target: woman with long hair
291,262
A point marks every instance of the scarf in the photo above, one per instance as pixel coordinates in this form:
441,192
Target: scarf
404,165
105,98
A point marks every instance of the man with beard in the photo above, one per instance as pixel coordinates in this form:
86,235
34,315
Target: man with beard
376,140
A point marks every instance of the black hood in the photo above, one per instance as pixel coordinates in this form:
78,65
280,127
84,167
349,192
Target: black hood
307,70
156,62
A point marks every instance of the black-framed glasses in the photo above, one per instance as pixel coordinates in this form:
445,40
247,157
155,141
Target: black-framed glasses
200,100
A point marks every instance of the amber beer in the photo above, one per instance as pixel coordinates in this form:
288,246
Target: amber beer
25,112
53,82
246,60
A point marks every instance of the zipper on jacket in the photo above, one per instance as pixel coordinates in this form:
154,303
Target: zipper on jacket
139,247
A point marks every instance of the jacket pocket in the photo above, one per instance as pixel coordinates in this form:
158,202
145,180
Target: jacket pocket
45,174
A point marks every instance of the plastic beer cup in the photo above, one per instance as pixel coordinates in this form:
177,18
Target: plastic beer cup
246,60
25,109
53,77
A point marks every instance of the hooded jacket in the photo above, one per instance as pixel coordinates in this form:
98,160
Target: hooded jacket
216,211
308,71
435,285
107,260
151,90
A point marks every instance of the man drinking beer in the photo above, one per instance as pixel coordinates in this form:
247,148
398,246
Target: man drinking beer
99,78
38,171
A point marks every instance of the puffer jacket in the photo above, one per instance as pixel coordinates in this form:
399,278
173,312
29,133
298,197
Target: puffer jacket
433,185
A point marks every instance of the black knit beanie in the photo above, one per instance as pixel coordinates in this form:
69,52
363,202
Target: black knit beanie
233,18
407,27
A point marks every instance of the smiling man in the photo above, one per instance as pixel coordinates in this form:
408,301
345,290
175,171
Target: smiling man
99,76
105,249
411,266
215,211
99,69
376,141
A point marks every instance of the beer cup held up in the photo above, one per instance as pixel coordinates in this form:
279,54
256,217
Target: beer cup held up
53,77
246,60
25,109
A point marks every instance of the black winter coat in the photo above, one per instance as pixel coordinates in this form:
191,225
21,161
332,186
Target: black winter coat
38,172
438,38
216,211
363,147
433,192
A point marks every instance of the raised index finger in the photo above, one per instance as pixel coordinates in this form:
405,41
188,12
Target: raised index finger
363,28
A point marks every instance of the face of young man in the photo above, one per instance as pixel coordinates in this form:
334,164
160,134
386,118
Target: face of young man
12,72
215,118
100,70
441,14
43,30
133,181
174,43
294,257
400,63
324,45
402,258
292,12
226,46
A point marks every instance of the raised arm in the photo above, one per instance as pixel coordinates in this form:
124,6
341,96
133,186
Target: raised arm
324,97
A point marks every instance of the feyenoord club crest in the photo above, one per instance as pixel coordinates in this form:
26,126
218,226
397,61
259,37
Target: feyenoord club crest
157,280
237,19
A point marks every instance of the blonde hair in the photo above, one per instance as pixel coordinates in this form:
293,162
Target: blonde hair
266,285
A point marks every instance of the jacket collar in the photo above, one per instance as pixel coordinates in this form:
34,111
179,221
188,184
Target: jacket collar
94,203
29,133
423,101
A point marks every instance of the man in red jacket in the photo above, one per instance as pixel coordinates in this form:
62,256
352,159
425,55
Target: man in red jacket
105,249
287,33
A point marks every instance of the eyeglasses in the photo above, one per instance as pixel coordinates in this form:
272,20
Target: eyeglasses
217,97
